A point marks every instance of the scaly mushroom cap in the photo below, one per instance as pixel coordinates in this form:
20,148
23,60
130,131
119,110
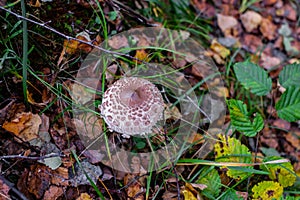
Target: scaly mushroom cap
132,106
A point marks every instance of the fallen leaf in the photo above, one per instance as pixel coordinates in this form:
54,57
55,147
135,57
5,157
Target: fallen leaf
4,189
134,189
269,139
70,47
252,43
282,124
24,126
80,94
290,13
195,138
251,20
53,193
269,62
84,196
168,195
226,23
171,112
293,139
35,3
38,180
269,2
60,177
268,28
84,36
222,51
141,55
94,156
188,195
117,42
88,126
110,73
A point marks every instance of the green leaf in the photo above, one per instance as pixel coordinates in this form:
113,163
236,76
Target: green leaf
231,150
210,177
253,77
288,107
290,75
241,121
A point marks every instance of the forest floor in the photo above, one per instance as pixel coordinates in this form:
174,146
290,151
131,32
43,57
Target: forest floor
49,117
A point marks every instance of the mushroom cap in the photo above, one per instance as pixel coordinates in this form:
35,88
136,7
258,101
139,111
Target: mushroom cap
132,106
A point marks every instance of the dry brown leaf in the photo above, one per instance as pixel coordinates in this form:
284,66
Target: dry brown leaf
4,189
269,2
282,124
88,125
290,13
60,176
80,93
35,3
195,138
168,195
293,139
171,112
226,23
134,190
94,156
117,42
25,126
38,180
110,73
251,20
84,196
268,28
252,43
268,62
53,193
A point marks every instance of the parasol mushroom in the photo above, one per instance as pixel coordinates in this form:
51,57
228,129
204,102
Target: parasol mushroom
132,106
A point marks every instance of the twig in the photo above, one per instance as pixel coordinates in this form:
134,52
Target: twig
51,155
12,187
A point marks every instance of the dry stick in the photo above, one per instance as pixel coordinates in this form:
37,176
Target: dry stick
69,37
13,188
51,155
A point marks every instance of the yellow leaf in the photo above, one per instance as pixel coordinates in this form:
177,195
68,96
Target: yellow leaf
219,49
84,196
188,195
267,190
141,55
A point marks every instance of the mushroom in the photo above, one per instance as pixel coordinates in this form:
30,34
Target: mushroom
132,106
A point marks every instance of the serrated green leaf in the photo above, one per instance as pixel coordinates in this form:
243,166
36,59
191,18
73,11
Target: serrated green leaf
253,77
241,121
290,75
231,150
283,172
210,177
288,107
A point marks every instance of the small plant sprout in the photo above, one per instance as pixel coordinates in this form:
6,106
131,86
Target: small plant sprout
132,106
